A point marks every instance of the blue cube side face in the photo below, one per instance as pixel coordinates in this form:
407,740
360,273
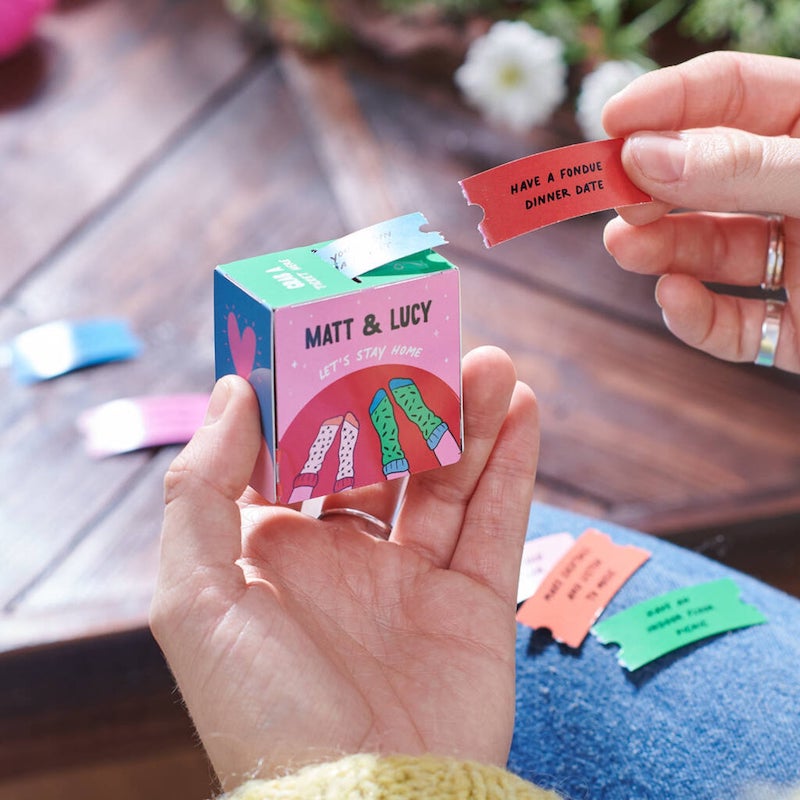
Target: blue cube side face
243,346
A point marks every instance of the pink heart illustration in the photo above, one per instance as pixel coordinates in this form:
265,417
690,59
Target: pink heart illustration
243,346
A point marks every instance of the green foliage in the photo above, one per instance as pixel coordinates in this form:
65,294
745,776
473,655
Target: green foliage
759,26
311,24
589,29
603,29
456,7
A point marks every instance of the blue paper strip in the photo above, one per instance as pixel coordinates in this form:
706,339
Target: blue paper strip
56,348
370,248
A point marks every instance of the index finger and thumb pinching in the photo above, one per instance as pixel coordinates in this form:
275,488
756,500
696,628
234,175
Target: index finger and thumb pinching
717,169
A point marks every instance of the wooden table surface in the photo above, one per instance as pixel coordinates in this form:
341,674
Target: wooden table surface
143,143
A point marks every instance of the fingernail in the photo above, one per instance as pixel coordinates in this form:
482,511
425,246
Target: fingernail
664,316
217,402
658,284
660,156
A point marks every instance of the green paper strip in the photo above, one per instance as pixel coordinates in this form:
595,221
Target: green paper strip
673,620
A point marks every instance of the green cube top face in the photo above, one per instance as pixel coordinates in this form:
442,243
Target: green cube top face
298,275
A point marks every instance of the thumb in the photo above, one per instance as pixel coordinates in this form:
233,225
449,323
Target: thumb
202,524
717,169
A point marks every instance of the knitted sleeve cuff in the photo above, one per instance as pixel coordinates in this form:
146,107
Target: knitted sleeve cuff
390,777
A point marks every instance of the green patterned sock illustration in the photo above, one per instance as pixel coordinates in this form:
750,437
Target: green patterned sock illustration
382,415
407,395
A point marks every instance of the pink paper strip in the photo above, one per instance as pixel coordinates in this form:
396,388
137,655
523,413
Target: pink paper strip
539,556
580,586
133,423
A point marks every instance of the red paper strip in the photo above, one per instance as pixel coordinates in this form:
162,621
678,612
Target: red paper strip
580,586
549,187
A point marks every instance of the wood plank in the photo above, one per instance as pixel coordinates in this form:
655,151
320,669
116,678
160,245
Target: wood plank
223,194
158,146
431,128
757,510
104,583
119,80
621,434
567,262
608,448
348,151
766,549
86,702
655,423
182,773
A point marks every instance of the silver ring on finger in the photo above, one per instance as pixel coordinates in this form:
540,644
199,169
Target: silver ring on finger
380,528
770,333
776,243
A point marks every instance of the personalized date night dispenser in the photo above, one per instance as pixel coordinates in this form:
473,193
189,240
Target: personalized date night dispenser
354,350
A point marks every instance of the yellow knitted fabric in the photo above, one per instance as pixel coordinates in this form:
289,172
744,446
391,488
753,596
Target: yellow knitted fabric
370,777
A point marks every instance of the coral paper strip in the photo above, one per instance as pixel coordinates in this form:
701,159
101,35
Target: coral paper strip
675,619
580,586
133,423
549,187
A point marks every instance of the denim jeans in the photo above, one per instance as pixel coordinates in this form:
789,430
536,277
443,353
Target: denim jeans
717,719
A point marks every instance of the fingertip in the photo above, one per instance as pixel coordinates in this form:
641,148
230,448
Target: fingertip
686,307
524,397
612,231
613,115
223,451
218,401
227,388
643,213
659,289
637,248
489,356
488,377
525,405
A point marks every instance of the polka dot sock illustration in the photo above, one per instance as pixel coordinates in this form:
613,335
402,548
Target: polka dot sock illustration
393,458
308,476
345,476
407,395
436,432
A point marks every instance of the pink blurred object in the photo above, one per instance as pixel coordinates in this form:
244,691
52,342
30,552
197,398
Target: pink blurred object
18,22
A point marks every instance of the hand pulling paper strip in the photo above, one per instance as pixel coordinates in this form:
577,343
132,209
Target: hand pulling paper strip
549,187
675,619
372,247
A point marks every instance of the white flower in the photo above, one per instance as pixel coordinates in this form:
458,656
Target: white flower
597,87
514,74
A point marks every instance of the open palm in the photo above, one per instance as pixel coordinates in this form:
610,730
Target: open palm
295,639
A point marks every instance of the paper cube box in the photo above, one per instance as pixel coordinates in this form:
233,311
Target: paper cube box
358,380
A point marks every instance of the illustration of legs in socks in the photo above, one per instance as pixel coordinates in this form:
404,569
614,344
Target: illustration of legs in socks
307,478
393,458
345,477
435,431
